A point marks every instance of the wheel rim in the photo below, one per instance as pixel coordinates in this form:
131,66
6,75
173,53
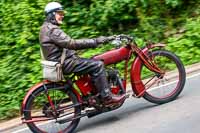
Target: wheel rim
41,109
162,86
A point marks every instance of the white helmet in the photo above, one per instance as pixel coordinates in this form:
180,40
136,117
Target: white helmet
53,6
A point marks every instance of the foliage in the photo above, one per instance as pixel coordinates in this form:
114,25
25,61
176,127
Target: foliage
186,42
175,22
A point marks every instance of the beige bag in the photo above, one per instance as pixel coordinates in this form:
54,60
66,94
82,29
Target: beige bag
52,70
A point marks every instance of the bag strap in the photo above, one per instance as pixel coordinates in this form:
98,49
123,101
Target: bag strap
63,56
42,55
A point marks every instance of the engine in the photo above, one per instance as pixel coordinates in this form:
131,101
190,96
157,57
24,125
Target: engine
115,82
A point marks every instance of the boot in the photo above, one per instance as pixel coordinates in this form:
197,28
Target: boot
113,99
102,87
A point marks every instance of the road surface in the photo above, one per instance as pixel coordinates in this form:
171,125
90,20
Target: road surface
140,116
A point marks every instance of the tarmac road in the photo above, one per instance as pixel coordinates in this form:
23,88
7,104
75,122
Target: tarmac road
140,116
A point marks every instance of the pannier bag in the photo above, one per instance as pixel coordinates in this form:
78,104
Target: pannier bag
52,70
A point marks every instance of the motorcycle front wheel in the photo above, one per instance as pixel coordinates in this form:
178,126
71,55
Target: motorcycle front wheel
42,117
163,88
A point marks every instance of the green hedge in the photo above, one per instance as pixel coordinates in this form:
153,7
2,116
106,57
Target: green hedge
175,22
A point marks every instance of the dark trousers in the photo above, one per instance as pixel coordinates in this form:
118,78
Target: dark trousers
92,67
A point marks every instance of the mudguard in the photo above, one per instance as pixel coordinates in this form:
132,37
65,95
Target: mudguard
135,74
38,85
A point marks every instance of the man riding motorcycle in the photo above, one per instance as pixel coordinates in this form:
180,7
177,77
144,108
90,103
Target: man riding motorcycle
53,40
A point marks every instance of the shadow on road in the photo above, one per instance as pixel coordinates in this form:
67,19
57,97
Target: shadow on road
117,115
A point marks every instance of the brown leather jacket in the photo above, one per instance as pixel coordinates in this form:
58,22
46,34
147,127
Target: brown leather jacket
53,40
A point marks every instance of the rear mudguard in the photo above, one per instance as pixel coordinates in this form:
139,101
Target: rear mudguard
38,85
135,74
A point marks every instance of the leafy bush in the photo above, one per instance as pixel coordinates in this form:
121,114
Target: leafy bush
186,41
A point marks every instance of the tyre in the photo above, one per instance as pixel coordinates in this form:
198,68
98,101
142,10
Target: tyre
163,88
39,107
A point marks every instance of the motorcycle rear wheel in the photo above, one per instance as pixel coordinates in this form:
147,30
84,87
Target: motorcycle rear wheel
38,107
165,88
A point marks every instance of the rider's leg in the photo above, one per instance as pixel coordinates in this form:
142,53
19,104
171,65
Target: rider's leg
97,72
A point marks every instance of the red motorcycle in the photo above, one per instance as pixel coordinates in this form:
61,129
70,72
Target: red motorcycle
155,74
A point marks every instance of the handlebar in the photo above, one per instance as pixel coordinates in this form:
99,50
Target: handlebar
127,37
121,38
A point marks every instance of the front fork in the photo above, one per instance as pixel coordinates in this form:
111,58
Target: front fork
142,58
148,62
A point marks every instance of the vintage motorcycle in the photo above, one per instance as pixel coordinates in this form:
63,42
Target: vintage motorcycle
155,74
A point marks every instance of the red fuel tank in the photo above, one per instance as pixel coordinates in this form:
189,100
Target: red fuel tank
113,56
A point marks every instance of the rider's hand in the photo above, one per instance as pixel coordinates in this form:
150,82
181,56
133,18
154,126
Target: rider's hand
111,38
103,39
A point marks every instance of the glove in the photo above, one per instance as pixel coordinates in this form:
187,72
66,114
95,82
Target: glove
111,38
103,39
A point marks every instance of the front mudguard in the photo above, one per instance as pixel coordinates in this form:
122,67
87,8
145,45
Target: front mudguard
41,84
135,73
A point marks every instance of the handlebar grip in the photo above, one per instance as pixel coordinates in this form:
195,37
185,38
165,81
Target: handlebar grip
122,36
